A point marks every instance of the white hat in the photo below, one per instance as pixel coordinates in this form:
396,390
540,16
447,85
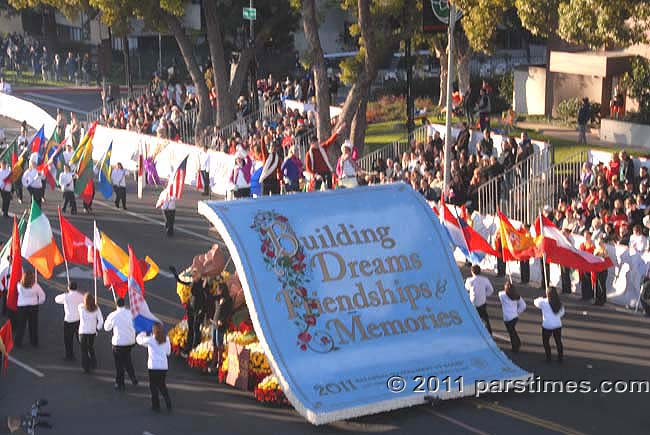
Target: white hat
646,221
240,153
346,144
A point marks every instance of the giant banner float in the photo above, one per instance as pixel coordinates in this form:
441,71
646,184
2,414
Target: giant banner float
350,290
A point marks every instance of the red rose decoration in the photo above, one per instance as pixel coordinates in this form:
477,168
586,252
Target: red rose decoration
304,337
310,320
302,291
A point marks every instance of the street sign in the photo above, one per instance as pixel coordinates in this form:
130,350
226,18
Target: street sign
250,14
435,15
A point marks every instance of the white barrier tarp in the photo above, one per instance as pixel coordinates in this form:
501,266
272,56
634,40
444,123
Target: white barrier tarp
21,110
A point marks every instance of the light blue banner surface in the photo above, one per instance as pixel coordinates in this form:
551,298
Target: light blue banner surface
357,301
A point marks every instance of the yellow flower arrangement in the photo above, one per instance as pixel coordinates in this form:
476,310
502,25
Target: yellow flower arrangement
178,335
241,338
184,291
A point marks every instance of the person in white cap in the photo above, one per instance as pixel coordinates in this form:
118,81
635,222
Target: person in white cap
240,176
346,167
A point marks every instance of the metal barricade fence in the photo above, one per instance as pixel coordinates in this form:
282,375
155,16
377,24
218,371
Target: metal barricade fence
524,190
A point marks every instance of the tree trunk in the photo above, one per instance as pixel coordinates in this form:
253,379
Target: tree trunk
463,57
225,113
360,90
439,45
203,119
127,64
358,127
241,72
310,27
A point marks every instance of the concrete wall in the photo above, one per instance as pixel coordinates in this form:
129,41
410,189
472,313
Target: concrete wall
625,133
529,90
572,85
10,23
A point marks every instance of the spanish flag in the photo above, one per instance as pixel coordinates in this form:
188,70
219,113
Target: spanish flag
516,244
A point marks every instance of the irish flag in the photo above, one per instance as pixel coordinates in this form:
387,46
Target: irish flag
38,245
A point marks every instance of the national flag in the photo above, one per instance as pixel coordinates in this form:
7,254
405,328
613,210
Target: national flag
16,270
115,265
38,245
471,244
199,180
88,193
54,163
10,153
559,250
77,155
6,343
74,243
17,168
104,184
5,253
143,319
516,244
175,184
37,144
84,165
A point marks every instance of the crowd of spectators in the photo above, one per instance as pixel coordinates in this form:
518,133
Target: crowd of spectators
20,53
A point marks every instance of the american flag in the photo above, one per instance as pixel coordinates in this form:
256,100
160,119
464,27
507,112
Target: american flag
175,185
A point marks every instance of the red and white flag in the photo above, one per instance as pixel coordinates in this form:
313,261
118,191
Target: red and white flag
559,250
175,185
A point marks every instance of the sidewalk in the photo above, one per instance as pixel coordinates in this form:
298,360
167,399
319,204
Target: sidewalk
569,137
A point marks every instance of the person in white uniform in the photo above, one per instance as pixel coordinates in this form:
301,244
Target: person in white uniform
70,300
552,312
30,296
33,180
204,167
5,187
66,182
512,305
479,288
120,322
118,179
169,210
159,348
90,321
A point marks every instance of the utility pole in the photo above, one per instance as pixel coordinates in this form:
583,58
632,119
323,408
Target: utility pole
410,109
450,76
253,65
159,54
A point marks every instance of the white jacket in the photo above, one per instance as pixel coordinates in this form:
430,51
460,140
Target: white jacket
120,322
511,309
70,301
90,322
550,320
30,296
158,352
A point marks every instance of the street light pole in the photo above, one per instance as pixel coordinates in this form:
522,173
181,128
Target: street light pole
252,71
450,75
159,54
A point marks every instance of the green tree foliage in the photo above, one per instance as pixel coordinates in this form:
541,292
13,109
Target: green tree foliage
637,84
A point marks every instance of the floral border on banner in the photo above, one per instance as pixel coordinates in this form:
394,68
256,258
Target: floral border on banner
291,270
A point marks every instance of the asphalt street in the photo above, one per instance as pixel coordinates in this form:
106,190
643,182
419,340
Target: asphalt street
601,343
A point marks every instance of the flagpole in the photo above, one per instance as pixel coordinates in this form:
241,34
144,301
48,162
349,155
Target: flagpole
544,274
65,259
95,257
114,297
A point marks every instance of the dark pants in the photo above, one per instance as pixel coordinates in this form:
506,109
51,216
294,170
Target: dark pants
170,217
18,189
271,186
157,385
601,288
546,340
242,193
524,269
6,200
37,194
546,273
565,274
514,337
68,198
193,330
205,175
27,316
122,357
326,178
88,359
586,288
483,314
294,186
501,267
120,195
484,120
69,331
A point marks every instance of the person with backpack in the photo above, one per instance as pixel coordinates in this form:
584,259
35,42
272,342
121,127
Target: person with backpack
512,305
552,312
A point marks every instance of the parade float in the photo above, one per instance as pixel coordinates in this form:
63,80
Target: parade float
241,345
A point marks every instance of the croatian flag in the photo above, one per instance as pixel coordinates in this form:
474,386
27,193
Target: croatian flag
143,319
462,236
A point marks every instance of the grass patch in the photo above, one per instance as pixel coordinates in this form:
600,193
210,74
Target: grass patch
383,133
28,78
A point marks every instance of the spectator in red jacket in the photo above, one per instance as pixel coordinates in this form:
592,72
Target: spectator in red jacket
317,162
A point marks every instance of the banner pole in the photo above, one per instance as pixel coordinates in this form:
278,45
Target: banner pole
544,274
114,297
95,258
65,258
